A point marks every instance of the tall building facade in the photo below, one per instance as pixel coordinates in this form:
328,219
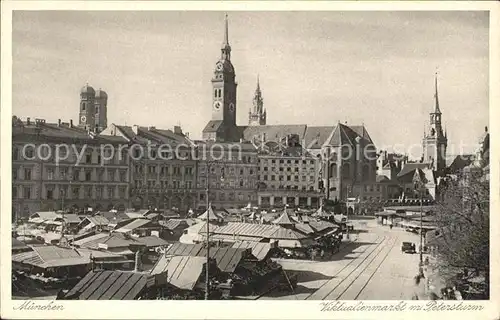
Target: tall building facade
93,109
162,164
59,165
435,139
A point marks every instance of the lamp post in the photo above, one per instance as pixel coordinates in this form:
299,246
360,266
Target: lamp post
419,188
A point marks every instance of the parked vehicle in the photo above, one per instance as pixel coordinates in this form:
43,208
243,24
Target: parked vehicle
408,247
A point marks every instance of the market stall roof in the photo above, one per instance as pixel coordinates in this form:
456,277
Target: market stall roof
287,234
297,243
259,249
152,241
96,220
245,229
304,228
109,285
321,225
212,216
227,258
173,224
135,224
45,215
182,272
44,256
284,219
113,240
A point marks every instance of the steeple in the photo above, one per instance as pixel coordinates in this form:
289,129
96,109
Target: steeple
226,48
257,116
436,108
258,85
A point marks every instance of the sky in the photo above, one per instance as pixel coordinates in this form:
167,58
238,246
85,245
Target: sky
315,68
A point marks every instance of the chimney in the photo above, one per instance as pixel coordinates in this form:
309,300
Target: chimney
28,122
177,130
71,123
58,122
137,260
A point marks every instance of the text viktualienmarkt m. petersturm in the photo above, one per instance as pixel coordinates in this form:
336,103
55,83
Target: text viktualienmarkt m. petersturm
400,306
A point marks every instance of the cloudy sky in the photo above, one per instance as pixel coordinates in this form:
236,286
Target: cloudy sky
316,68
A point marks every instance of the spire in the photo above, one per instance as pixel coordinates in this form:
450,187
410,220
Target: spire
226,48
258,84
226,33
436,95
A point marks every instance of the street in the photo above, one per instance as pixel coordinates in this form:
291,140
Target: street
369,267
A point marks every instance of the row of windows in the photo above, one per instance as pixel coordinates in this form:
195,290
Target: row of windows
289,161
164,170
77,175
288,178
75,192
290,187
371,188
48,153
222,196
164,184
281,169
230,171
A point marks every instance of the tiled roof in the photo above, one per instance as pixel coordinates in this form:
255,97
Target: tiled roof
227,258
109,285
182,271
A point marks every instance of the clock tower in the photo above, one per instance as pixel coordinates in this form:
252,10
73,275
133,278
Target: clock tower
223,126
435,140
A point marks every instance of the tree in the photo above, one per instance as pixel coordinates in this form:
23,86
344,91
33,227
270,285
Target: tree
463,237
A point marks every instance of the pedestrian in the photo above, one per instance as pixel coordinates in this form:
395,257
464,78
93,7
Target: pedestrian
322,254
313,254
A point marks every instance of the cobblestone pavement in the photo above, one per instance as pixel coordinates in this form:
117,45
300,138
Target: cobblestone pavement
371,267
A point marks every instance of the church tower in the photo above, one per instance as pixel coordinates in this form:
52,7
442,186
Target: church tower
86,117
257,116
101,110
435,140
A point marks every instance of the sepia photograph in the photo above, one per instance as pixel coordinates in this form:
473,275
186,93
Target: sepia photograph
249,155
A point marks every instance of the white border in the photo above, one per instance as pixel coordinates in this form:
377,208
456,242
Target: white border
234,309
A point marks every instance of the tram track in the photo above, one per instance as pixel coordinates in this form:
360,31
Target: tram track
335,277
383,253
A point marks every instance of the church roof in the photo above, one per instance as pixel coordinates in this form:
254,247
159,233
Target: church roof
315,137
213,126
274,132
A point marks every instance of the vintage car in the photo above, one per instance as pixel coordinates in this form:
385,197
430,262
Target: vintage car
408,247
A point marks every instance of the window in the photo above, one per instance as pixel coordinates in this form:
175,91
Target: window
282,161
303,178
98,159
251,171
88,176
152,169
62,173
50,174
76,175
241,171
296,178
14,174
222,196
76,193
188,170
50,194
273,178
241,183
265,178
88,158
14,192
96,108
288,178
27,193
123,176
98,192
27,174
311,178
202,196
189,184
15,154
122,191
296,169
273,161
111,175
84,106
110,192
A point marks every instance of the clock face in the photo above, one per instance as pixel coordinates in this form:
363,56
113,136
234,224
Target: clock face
83,119
217,105
231,107
219,66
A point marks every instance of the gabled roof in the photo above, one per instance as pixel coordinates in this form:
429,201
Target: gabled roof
315,137
410,167
109,285
213,126
113,240
304,228
287,234
113,217
48,256
183,272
